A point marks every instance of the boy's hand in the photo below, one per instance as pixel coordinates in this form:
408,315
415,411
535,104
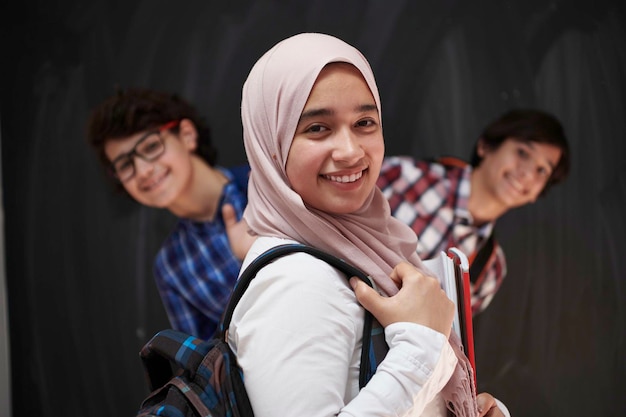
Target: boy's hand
237,231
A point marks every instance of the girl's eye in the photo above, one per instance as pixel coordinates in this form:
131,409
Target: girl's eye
365,123
316,129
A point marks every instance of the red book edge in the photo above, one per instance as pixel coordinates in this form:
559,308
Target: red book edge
464,296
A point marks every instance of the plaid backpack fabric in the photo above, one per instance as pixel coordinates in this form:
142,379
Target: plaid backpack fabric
207,380
190,377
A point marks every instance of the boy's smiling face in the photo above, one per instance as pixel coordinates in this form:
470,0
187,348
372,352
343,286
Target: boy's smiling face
516,172
158,183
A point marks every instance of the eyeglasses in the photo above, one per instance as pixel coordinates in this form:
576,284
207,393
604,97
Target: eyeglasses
149,147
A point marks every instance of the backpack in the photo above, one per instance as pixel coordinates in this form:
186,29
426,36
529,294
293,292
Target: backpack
192,377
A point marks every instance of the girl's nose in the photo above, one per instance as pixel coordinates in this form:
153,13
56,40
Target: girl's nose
347,147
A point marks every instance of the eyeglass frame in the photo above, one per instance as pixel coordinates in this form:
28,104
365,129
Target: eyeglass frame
133,152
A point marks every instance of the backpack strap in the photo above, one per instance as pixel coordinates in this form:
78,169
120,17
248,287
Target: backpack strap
479,259
271,254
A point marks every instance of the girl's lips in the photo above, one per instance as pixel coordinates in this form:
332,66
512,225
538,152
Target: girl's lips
344,178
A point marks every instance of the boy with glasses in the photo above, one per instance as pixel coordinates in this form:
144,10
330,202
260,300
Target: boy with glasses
158,151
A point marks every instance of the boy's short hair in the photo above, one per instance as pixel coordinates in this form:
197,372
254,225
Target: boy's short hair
528,125
135,110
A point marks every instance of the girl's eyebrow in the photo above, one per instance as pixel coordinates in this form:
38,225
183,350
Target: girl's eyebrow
328,112
315,113
367,107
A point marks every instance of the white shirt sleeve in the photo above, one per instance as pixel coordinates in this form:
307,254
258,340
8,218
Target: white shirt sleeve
297,333
502,408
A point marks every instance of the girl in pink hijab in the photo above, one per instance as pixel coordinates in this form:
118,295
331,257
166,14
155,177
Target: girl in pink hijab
313,137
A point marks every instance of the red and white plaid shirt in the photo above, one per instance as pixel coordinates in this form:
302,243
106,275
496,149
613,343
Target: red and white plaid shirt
432,198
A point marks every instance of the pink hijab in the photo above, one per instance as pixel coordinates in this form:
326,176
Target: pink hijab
274,96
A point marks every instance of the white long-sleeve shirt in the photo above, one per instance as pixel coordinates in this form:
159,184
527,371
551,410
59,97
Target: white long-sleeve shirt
297,334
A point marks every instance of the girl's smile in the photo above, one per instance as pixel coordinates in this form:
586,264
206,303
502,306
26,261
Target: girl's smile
345,178
337,150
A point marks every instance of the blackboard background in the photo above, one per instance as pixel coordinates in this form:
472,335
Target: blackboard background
78,257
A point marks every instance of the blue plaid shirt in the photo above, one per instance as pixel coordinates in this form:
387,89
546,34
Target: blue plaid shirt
195,270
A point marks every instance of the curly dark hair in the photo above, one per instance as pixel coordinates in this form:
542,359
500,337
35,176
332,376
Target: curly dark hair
528,125
135,110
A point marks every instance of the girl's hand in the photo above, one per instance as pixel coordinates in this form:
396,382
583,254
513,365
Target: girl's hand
420,300
488,406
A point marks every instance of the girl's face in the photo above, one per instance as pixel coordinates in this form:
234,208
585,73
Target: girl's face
516,172
338,146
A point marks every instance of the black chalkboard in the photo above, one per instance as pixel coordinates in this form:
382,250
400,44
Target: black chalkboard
79,256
